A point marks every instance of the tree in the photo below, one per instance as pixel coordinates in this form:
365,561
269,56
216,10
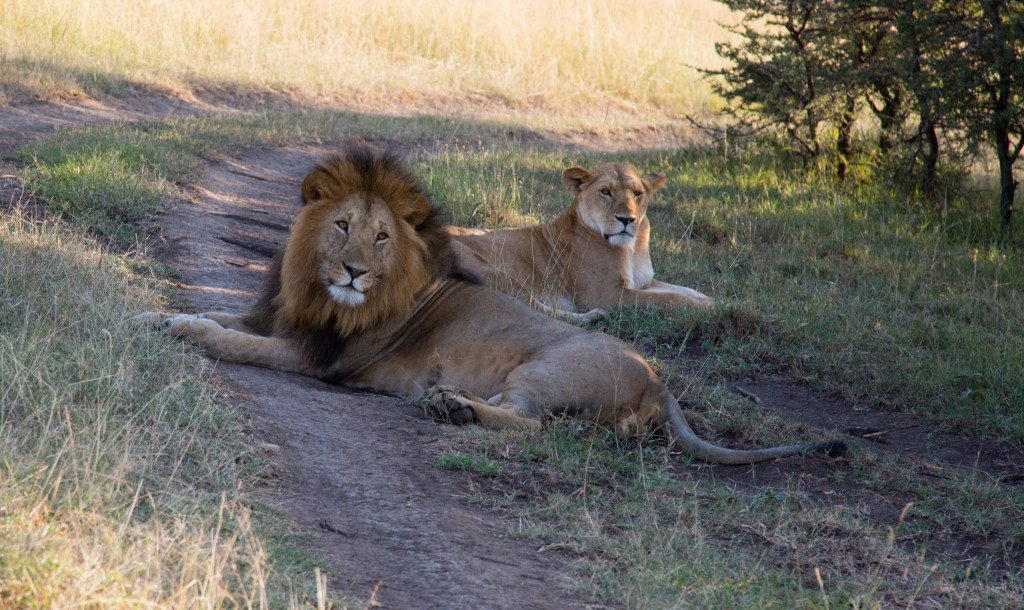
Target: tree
775,69
801,64
992,77
952,66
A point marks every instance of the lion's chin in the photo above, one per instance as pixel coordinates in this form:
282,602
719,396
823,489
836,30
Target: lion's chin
346,295
620,239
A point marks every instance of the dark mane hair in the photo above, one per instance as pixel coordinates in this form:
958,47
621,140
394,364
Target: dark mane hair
358,168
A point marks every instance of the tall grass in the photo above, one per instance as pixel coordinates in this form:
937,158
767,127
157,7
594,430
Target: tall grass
590,55
120,474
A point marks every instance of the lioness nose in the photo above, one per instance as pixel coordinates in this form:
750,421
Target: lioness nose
626,220
354,273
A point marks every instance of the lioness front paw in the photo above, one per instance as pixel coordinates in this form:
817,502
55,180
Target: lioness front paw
446,404
594,315
148,319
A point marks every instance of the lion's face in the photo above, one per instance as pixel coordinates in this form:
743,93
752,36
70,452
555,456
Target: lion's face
612,200
357,246
358,250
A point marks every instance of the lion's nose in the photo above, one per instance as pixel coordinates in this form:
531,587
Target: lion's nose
626,220
354,272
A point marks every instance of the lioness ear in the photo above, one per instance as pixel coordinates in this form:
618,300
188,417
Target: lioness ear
654,181
574,178
415,210
313,186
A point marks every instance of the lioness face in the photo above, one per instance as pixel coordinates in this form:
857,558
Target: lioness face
357,247
612,200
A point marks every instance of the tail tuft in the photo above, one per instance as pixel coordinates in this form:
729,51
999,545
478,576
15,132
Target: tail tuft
831,448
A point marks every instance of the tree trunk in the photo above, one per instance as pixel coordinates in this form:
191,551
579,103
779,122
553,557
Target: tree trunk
1001,108
929,170
888,120
844,146
1007,185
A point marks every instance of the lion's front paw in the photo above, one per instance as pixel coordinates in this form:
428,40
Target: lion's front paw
447,404
594,315
189,326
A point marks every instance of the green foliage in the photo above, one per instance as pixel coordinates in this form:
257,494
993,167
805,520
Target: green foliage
924,68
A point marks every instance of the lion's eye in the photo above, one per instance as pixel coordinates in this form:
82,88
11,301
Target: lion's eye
382,236
606,192
638,194
342,224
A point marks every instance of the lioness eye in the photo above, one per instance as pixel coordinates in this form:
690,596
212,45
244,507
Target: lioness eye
638,193
606,192
382,236
343,225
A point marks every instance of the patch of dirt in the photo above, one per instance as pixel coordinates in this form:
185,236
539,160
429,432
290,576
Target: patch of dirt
22,124
887,430
353,470
929,454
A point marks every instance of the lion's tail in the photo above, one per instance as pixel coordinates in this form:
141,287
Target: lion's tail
699,449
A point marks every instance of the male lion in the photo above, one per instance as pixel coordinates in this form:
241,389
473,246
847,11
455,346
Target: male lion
592,256
366,294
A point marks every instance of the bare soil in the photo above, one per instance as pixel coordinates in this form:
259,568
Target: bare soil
22,124
888,430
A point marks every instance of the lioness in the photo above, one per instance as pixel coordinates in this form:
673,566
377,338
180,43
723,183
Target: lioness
592,256
366,294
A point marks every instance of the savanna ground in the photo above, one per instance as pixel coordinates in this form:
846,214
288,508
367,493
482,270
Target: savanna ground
134,472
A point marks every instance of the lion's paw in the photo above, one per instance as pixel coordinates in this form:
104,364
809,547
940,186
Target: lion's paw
443,404
594,315
189,326
148,319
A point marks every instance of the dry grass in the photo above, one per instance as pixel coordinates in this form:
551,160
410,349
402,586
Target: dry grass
120,476
598,55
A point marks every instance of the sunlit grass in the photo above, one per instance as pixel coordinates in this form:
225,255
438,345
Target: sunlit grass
120,474
598,54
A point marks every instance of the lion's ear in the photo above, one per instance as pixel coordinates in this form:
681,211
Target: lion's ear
313,185
575,178
415,210
654,182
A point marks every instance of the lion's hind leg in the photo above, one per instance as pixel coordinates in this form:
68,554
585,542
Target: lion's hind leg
452,405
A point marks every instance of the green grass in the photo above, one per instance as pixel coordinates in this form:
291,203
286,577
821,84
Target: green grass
478,464
855,290
111,179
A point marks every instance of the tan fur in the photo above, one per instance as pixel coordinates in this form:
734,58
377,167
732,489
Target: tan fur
425,332
585,258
